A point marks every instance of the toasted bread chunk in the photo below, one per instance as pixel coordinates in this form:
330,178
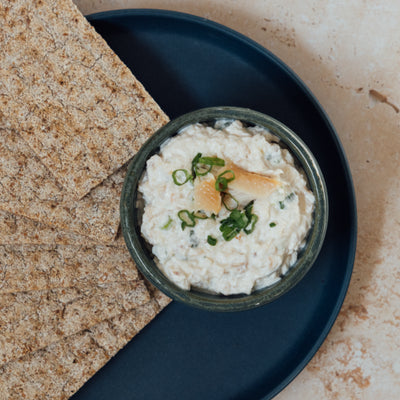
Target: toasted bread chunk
206,197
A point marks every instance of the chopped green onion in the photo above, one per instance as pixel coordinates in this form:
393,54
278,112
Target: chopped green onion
252,223
168,224
228,171
202,169
211,161
200,215
202,165
194,163
213,216
229,232
238,220
231,226
180,176
249,209
229,202
187,219
221,184
272,224
211,241
281,205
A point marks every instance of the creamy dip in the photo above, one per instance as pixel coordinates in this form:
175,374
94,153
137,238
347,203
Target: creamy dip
251,260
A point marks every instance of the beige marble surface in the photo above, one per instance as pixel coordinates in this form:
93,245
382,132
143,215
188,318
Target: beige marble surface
348,53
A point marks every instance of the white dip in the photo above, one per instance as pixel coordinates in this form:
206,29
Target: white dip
248,261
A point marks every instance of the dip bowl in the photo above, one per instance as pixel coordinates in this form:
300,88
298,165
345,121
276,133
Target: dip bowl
140,250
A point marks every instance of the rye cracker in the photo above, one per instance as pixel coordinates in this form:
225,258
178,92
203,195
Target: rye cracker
43,267
32,320
15,229
30,190
59,370
78,106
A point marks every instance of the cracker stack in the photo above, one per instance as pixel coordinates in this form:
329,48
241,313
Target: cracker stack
71,116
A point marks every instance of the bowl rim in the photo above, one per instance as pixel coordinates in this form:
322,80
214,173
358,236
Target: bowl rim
136,243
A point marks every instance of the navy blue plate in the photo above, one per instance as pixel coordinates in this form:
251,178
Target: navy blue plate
187,63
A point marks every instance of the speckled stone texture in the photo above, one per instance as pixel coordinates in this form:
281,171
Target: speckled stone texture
348,53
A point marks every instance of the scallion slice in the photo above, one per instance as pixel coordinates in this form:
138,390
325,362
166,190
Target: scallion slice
200,215
231,226
249,209
251,224
187,219
168,224
228,171
194,163
238,220
221,183
181,176
229,232
212,161
211,240
229,202
202,169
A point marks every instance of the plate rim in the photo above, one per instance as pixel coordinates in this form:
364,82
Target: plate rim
187,17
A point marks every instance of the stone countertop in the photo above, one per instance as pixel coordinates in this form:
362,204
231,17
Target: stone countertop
348,53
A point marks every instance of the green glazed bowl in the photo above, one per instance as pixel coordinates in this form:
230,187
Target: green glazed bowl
141,253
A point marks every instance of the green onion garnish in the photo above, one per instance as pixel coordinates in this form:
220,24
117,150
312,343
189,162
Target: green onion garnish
202,165
281,205
211,241
249,209
194,163
221,183
229,202
238,220
180,176
228,171
202,169
187,219
168,224
252,223
272,224
200,215
211,161
231,226
229,232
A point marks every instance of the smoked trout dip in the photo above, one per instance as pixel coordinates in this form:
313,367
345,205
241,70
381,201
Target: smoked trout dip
225,208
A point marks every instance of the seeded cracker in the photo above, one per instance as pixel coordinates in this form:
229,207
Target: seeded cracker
33,267
32,320
59,370
17,229
28,189
71,116
70,97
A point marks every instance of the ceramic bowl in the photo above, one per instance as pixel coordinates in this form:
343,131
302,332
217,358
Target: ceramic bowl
141,252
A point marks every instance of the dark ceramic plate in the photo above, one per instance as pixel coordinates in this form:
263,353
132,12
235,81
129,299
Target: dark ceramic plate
188,63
